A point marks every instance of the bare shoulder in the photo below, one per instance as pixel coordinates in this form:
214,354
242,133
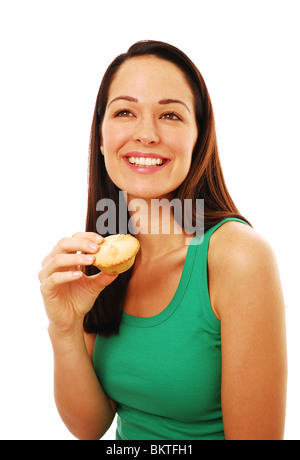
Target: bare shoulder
236,245
240,263
236,242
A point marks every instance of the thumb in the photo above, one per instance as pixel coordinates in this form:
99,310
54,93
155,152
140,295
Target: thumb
98,282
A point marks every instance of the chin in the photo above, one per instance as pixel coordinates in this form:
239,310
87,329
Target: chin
149,194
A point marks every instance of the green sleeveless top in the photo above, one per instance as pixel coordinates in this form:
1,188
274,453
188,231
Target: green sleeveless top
164,371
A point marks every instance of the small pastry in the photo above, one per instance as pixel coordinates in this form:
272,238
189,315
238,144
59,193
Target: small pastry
117,254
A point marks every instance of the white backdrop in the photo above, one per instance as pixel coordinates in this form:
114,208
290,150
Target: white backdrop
53,56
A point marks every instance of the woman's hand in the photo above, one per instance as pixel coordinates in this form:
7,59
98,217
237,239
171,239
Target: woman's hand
67,292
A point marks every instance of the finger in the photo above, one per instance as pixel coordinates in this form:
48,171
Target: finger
78,243
92,236
58,278
65,262
73,245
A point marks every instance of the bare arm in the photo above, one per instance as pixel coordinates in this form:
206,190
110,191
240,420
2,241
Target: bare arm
68,295
81,402
247,296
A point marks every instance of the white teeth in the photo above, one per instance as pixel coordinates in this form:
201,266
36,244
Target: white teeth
143,161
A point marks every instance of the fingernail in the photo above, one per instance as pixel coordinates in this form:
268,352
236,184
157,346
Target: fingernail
98,238
93,246
89,258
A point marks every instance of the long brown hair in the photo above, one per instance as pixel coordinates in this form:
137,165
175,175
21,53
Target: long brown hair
204,181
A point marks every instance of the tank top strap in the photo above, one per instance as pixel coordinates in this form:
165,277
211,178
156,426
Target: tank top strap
211,230
201,248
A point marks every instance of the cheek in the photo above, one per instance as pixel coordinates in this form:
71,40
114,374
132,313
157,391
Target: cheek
183,146
113,138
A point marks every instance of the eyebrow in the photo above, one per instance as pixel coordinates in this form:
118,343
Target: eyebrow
173,101
162,102
123,98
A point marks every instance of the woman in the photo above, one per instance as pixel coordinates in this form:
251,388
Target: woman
190,343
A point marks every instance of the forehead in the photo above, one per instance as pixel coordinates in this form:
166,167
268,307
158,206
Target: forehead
150,76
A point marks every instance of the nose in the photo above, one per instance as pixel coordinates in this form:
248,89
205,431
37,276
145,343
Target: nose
146,132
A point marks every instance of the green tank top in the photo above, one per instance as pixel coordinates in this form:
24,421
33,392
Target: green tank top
164,371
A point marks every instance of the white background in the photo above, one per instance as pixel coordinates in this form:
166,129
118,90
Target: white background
53,56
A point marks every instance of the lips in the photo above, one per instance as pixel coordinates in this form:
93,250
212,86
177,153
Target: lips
144,155
145,162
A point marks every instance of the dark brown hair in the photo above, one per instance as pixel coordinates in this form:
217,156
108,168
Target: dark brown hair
204,181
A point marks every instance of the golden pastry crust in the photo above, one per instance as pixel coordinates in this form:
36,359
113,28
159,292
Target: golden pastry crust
117,253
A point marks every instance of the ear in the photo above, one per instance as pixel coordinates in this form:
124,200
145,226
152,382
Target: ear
101,141
101,148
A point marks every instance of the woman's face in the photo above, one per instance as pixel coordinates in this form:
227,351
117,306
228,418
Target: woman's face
149,128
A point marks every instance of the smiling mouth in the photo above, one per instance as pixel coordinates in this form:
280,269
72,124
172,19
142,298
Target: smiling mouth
147,162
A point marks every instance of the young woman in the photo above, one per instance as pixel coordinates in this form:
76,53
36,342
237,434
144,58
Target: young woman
189,343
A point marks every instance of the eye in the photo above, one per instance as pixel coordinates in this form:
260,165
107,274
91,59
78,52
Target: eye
171,116
123,114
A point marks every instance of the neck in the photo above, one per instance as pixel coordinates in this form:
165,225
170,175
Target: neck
152,222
